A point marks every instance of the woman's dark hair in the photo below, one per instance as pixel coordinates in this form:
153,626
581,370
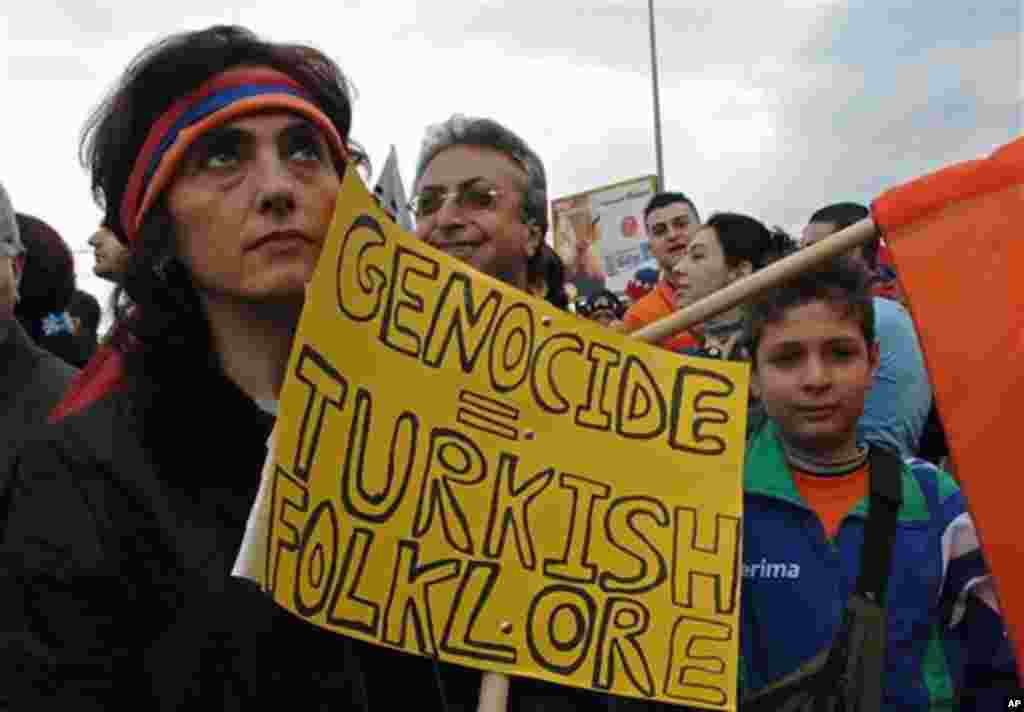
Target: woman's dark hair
743,239
547,266
48,278
161,325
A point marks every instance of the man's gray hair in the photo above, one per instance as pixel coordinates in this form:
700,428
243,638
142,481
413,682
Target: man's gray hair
10,237
462,130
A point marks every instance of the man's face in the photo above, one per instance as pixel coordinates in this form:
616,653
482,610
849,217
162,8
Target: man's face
489,235
10,275
110,255
812,371
252,203
817,231
669,229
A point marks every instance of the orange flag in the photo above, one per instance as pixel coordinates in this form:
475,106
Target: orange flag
957,237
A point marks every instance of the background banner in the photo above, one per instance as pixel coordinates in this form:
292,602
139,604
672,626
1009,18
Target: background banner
600,234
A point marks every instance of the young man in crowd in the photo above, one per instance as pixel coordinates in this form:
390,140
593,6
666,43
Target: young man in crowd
671,220
219,156
900,398
806,480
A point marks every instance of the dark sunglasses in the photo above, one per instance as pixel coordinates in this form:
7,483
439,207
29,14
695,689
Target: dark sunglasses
471,195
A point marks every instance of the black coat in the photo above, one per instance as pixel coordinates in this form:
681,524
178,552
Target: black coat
118,563
32,381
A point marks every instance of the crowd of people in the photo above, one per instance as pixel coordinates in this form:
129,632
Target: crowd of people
126,486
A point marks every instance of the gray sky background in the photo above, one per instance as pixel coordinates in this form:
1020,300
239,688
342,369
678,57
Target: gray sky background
768,108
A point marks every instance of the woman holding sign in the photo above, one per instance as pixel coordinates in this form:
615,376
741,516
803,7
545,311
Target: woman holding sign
218,156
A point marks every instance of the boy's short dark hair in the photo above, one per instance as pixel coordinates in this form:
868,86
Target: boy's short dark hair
660,200
842,215
836,282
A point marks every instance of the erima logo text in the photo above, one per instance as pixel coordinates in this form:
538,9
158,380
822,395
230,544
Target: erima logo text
767,570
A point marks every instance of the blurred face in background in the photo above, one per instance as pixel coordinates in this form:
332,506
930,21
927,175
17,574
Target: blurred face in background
110,255
669,229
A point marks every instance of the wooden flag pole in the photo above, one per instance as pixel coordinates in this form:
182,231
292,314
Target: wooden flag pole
493,693
760,281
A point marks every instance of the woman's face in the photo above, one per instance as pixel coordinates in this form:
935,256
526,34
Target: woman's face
252,202
701,269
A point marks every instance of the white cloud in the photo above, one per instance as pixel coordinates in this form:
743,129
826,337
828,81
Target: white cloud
764,108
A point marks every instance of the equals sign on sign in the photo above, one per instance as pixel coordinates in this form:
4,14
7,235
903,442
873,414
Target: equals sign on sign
491,416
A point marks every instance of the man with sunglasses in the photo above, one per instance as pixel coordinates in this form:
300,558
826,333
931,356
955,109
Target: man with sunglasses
671,220
481,196
898,404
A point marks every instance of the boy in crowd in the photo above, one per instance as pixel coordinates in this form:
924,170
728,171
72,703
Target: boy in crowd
806,479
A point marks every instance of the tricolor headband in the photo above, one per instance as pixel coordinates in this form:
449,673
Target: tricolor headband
220,99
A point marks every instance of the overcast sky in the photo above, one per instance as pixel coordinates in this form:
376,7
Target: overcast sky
771,108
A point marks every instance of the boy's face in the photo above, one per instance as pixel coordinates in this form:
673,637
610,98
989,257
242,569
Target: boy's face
812,372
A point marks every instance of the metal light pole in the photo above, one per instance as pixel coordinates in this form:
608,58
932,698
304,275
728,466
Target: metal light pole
657,101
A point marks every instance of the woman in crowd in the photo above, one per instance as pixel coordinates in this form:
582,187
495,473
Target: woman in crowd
728,247
219,157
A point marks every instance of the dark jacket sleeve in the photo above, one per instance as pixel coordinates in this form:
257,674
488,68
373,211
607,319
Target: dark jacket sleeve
60,586
990,671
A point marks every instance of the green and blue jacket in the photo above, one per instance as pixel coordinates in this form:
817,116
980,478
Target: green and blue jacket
796,583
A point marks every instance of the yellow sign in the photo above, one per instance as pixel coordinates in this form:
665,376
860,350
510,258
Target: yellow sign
463,471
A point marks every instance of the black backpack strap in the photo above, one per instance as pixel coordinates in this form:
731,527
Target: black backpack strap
885,488
885,477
